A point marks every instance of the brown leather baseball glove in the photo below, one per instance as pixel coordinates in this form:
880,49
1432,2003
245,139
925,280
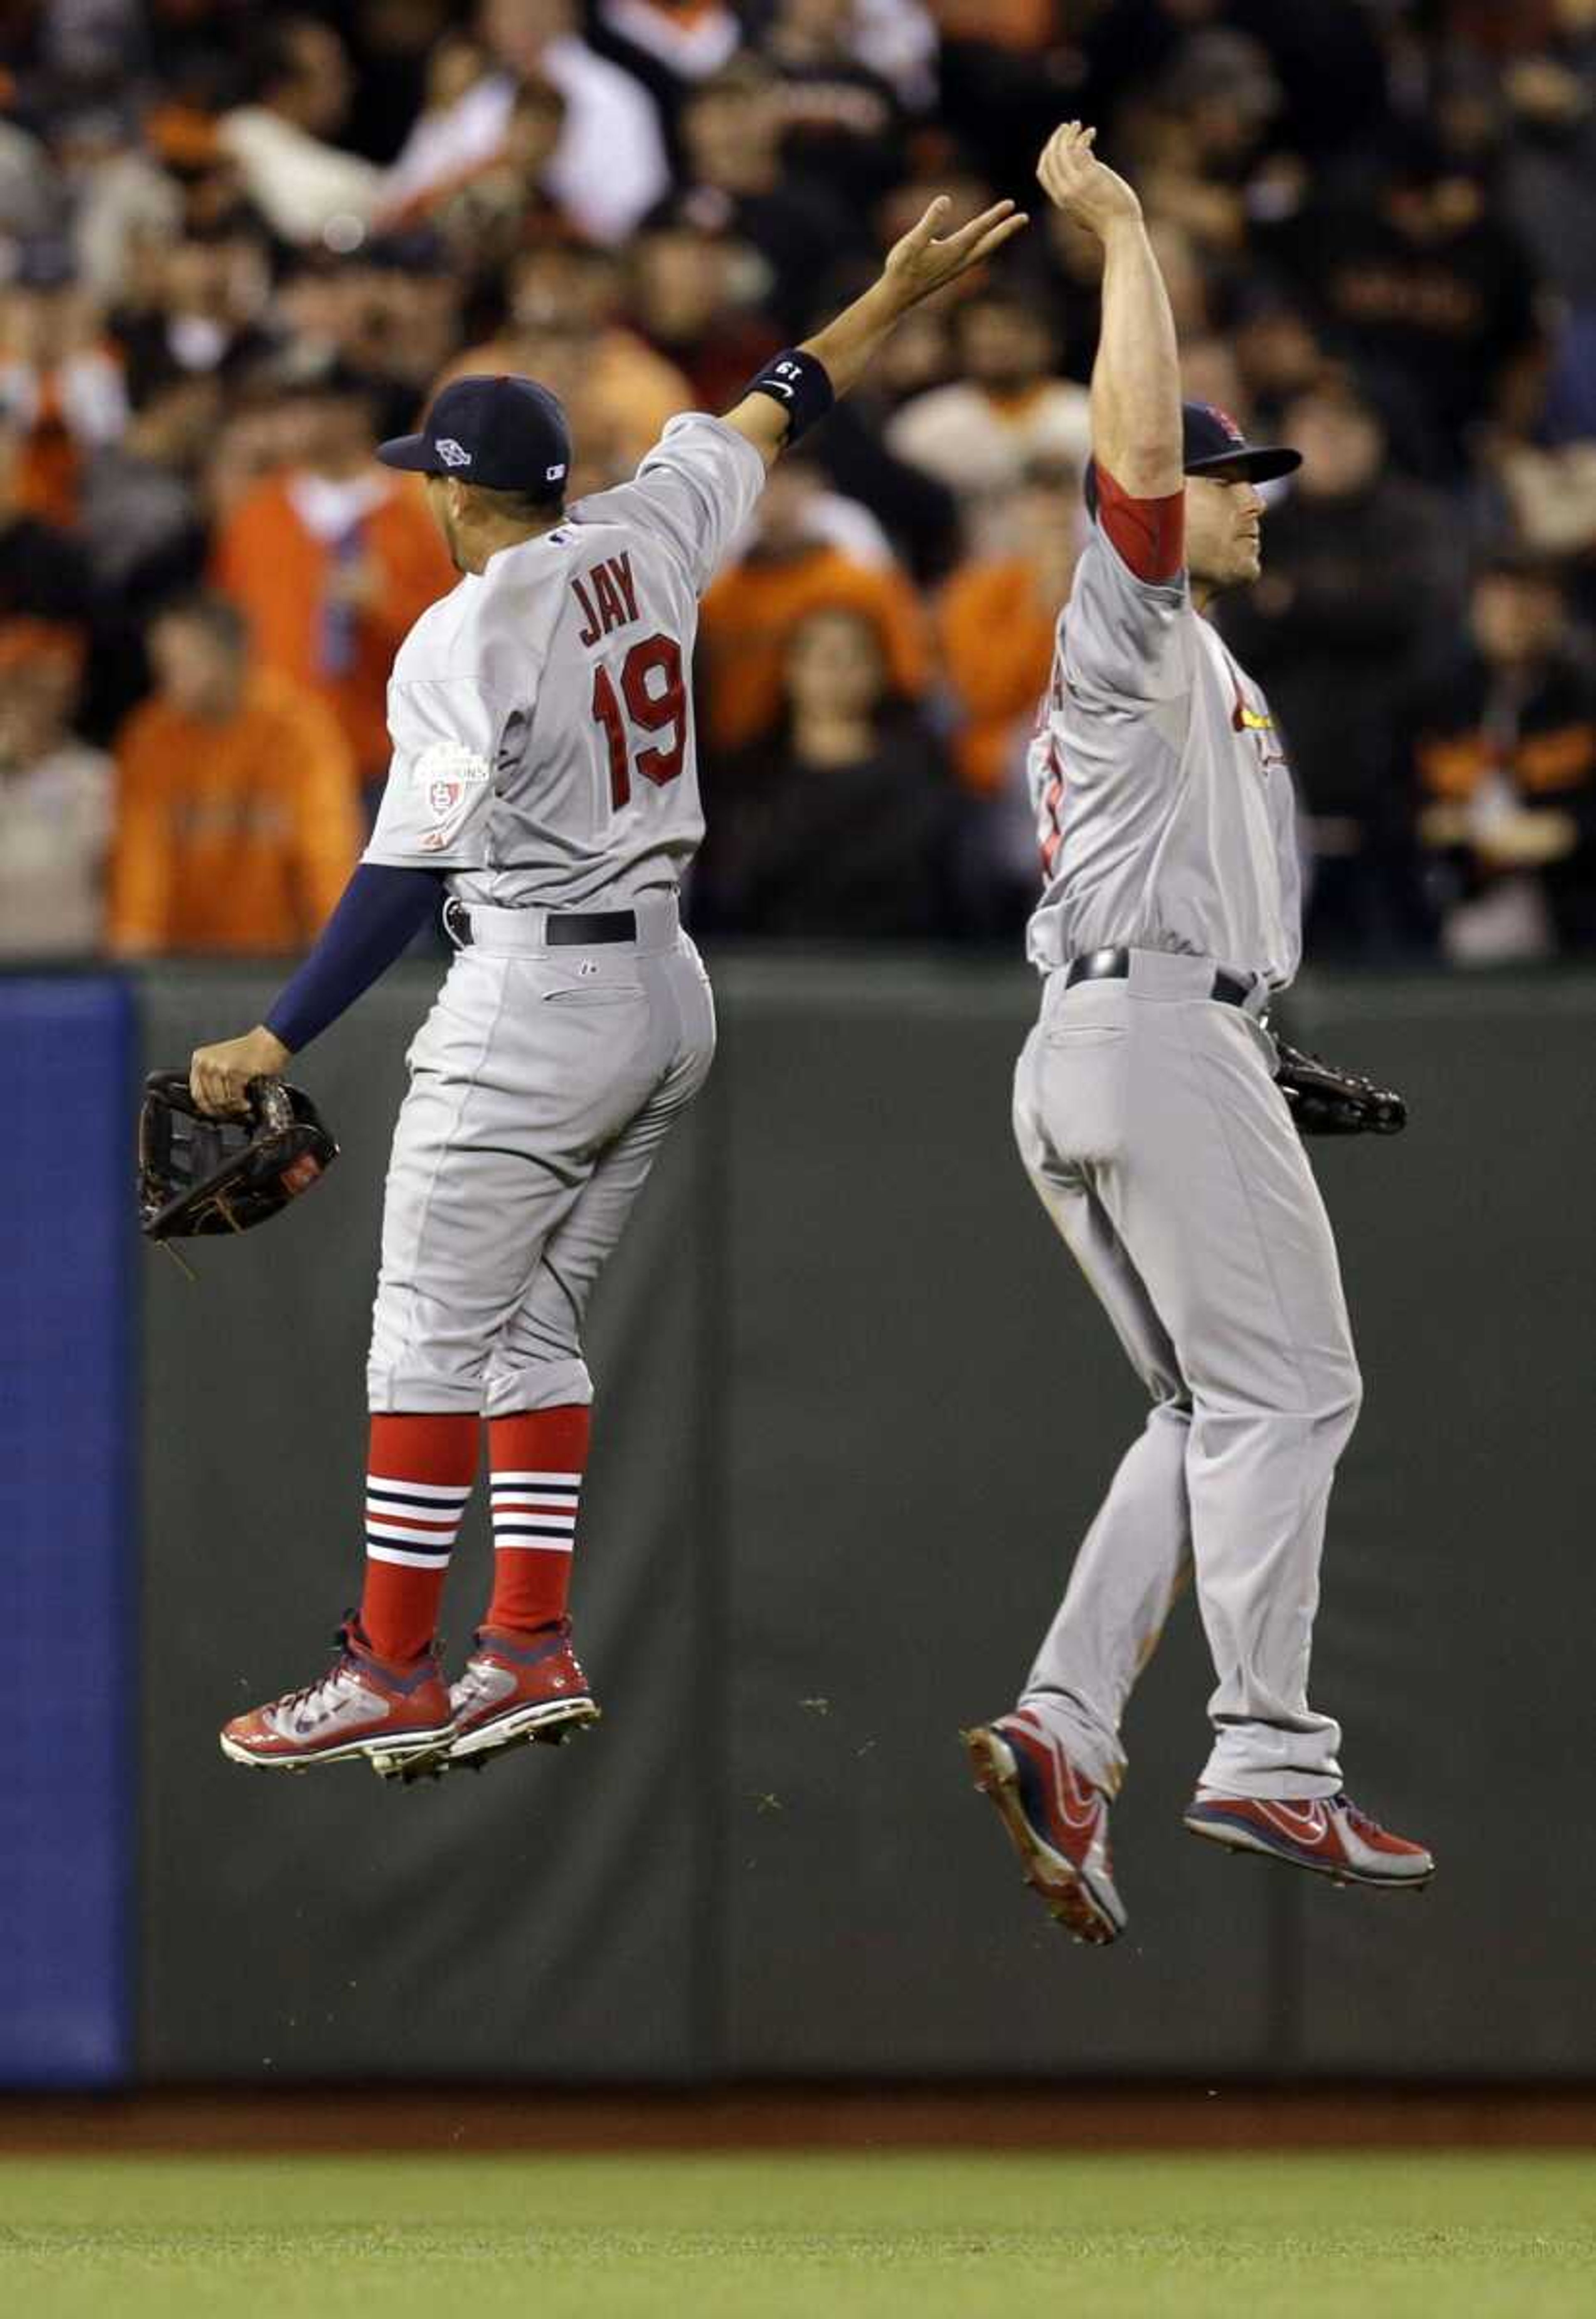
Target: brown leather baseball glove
200,1174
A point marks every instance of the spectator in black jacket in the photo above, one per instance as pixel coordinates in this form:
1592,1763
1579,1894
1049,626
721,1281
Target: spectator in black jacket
1357,582
734,180
1432,295
842,827
843,125
1501,748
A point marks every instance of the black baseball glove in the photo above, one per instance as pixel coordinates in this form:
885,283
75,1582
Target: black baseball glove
200,1174
1324,1101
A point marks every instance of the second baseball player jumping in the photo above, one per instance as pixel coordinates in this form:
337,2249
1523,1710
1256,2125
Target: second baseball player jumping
1150,1125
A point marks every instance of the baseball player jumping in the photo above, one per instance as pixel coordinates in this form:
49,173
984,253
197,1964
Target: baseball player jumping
542,780
1149,1122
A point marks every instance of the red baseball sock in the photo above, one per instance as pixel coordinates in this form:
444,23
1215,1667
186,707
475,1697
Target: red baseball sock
418,1482
538,1458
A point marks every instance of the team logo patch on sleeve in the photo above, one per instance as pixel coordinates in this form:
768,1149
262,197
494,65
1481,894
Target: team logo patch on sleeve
446,777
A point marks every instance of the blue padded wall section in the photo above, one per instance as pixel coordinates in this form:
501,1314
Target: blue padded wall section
67,1540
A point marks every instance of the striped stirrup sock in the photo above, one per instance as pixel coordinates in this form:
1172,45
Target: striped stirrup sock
418,1485
537,1458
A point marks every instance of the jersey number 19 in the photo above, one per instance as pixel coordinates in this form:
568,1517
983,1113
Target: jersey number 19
656,698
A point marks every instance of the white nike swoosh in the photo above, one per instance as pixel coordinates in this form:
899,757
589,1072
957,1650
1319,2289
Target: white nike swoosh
1310,1819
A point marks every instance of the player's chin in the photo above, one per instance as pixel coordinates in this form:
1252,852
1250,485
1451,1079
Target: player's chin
1249,563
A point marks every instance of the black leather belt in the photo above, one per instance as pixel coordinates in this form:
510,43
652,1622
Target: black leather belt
573,929
1114,965
584,926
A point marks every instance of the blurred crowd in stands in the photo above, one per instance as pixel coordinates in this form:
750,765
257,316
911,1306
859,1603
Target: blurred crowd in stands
240,243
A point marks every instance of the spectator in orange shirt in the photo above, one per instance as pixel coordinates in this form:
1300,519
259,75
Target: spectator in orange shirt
332,562
238,819
789,569
996,627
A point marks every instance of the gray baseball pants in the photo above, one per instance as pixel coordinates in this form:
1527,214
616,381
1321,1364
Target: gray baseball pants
543,1083
1149,1121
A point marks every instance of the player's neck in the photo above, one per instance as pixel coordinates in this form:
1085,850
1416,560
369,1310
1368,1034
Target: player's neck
493,534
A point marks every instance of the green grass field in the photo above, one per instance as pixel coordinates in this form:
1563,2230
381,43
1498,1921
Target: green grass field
1404,2235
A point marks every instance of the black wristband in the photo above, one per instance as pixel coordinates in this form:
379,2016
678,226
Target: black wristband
798,382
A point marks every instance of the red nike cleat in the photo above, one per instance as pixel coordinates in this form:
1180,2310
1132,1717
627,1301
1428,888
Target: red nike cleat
362,1706
1327,1834
515,1689
1056,1820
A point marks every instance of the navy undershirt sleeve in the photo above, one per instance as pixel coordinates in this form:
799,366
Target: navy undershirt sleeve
379,912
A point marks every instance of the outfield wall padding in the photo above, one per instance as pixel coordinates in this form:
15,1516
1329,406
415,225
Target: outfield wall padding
855,1411
69,1541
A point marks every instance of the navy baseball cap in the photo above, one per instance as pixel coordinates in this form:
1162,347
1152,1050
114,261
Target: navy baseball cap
507,434
1212,442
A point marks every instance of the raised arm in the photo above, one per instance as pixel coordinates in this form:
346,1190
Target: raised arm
1136,422
796,387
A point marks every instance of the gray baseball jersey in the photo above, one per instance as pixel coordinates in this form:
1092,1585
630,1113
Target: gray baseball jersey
542,756
1164,800
541,714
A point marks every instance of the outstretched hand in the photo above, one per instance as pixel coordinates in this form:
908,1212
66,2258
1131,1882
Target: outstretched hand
1085,188
915,267
920,264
